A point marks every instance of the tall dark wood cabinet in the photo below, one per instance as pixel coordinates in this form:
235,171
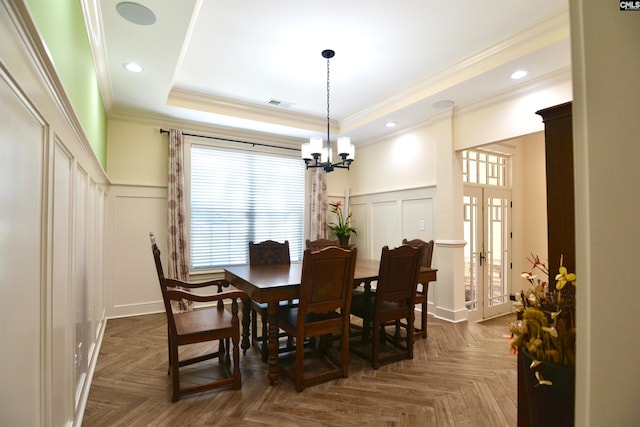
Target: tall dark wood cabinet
558,137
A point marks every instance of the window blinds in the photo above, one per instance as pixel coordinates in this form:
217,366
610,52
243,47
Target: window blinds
240,196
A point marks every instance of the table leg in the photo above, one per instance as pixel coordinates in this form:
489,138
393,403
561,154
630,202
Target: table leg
366,327
424,310
246,320
272,342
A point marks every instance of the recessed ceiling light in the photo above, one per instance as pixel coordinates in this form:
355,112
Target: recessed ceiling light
136,13
133,67
390,124
445,103
519,74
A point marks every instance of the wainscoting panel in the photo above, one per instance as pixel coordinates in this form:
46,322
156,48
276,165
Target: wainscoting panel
417,219
62,336
360,219
22,283
388,217
52,191
385,218
80,281
134,212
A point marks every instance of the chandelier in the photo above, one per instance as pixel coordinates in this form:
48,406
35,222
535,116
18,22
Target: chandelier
314,154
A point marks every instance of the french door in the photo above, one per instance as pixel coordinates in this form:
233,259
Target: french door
487,225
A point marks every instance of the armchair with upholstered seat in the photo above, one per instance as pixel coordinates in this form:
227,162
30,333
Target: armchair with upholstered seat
198,326
392,301
323,311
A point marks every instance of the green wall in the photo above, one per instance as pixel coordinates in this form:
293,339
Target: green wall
61,24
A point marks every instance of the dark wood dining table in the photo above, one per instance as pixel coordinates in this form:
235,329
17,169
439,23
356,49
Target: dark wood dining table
271,284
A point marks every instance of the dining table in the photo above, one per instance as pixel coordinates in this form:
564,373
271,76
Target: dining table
271,284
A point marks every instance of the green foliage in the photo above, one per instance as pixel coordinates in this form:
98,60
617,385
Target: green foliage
343,226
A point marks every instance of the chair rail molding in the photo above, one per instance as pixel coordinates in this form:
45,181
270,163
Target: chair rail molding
451,243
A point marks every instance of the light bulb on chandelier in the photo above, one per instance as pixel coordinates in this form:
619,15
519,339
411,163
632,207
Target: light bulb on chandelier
315,154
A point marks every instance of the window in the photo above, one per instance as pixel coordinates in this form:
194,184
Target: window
484,168
238,196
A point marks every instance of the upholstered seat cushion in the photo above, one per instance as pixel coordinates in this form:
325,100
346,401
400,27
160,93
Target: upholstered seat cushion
362,304
290,316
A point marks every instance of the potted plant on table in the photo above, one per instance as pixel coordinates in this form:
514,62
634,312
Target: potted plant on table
545,337
342,228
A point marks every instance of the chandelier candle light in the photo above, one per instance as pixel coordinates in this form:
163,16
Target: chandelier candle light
314,154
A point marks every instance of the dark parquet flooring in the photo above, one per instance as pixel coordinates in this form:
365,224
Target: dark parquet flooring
461,375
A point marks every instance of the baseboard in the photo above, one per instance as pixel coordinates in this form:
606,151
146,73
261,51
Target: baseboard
452,316
84,395
128,310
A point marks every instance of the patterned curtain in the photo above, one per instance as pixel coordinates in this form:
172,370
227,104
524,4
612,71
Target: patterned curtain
318,223
177,242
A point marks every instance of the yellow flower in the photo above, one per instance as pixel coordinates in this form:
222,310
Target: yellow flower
563,277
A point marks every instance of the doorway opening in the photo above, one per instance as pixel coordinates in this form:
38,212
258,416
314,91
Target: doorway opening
487,231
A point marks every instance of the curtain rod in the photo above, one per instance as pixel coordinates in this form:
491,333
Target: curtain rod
234,140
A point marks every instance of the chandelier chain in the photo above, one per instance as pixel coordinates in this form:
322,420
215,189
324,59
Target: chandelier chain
328,91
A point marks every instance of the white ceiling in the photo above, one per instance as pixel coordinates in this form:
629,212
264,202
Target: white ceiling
219,62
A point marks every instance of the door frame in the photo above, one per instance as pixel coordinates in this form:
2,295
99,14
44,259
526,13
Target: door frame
480,250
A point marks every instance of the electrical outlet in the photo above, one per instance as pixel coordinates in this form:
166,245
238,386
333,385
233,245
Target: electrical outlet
421,225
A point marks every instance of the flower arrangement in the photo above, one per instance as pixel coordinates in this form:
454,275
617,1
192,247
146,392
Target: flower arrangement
342,228
547,330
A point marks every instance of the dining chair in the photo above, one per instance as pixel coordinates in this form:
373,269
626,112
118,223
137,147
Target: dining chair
392,300
423,288
268,252
198,326
323,310
316,245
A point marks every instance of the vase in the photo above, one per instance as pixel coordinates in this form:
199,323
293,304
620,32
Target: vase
550,405
344,241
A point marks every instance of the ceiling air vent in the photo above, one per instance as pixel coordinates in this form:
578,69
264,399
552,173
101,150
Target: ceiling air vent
278,103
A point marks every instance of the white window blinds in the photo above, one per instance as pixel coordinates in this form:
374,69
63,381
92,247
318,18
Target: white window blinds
240,196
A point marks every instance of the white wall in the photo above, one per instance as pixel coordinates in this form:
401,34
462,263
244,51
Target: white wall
52,193
606,130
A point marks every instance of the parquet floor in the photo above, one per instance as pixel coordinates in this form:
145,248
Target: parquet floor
461,375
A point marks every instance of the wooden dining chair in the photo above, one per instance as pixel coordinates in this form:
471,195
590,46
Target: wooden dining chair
268,252
198,326
423,288
316,245
392,300
323,310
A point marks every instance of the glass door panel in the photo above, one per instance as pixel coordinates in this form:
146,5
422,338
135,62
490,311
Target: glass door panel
487,253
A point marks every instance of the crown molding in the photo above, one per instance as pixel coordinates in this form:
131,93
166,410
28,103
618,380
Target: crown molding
547,81
97,43
545,33
551,80
188,126
228,107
